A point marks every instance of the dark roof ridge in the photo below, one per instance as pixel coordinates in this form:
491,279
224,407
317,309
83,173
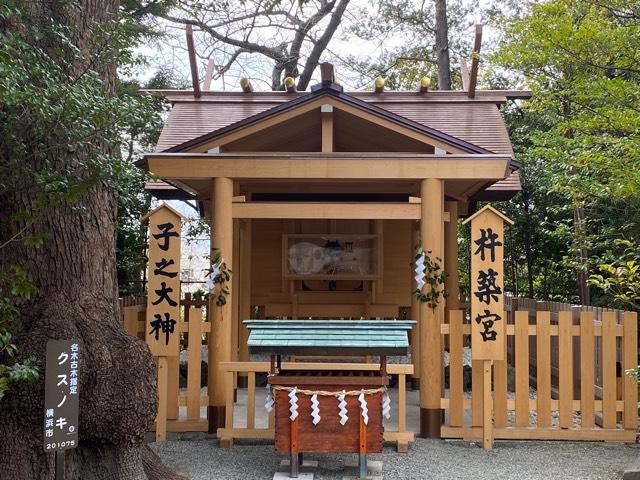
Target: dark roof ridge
523,94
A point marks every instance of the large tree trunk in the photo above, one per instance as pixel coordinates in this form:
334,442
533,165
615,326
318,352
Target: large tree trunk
75,274
442,46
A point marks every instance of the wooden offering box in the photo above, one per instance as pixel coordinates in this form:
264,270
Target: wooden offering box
329,435
295,388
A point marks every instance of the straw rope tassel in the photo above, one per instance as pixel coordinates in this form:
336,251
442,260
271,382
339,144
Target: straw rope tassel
363,407
420,269
342,405
268,404
293,402
386,405
315,409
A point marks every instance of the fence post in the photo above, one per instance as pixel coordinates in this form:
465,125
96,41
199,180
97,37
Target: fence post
575,315
565,369
630,360
161,417
510,359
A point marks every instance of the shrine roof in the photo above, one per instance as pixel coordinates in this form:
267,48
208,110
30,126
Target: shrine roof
476,121
329,337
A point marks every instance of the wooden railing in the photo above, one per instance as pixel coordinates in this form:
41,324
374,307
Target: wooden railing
559,411
183,412
231,431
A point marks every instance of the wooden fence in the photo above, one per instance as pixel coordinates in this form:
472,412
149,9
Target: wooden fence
193,328
184,410
555,409
513,304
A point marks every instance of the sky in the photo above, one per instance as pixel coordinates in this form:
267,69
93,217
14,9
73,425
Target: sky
171,53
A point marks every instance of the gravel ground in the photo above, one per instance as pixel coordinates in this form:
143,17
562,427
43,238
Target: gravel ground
427,459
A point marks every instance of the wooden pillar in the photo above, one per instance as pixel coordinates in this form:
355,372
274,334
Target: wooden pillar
235,327
244,291
451,283
431,233
235,310
415,315
221,328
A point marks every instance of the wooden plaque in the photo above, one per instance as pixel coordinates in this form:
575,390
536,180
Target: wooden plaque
487,284
163,288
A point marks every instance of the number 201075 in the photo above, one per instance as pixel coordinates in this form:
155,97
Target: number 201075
68,443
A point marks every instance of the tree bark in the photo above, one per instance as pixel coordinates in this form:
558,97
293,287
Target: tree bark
583,256
77,298
442,46
526,203
321,44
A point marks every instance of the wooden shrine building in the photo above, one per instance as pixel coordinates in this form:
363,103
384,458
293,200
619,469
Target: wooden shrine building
285,177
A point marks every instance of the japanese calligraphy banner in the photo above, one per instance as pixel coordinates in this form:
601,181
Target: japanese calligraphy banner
61,390
163,288
487,284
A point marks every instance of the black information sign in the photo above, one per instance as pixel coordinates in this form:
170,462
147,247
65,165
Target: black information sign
61,395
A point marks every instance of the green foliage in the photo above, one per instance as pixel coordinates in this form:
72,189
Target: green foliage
434,280
61,133
14,281
635,373
221,279
138,135
578,138
51,110
406,63
620,279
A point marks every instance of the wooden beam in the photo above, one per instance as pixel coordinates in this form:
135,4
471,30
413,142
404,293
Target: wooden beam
321,186
192,62
208,75
327,128
327,167
334,211
475,60
489,95
327,73
464,74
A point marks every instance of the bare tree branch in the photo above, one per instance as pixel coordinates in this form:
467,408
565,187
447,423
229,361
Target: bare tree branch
321,45
287,36
290,67
251,47
291,18
225,68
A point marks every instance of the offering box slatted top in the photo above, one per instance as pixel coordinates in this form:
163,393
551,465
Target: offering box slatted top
329,337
